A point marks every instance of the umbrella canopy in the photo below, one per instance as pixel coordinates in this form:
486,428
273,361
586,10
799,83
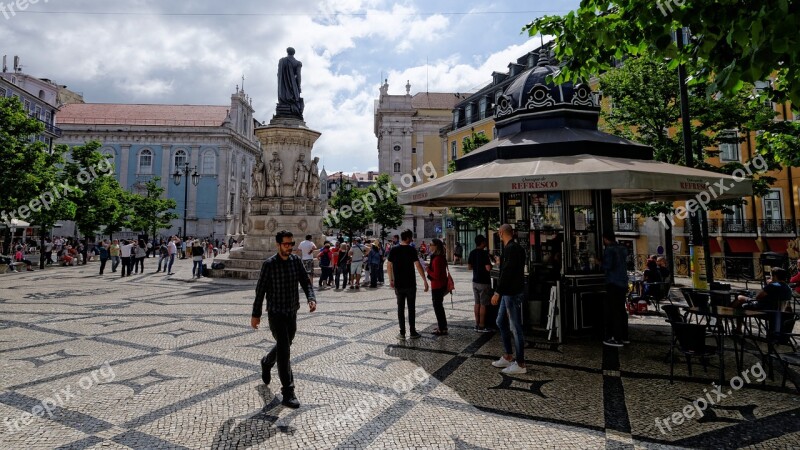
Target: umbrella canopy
629,180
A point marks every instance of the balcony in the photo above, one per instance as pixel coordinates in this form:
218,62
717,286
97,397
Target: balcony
626,225
777,226
748,226
49,128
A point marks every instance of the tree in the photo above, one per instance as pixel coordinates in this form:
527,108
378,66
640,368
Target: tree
94,190
151,212
733,43
481,218
27,170
349,212
387,212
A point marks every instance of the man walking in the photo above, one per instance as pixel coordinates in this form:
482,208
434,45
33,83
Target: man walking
481,265
172,250
306,249
277,283
615,257
510,294
356,261
402,261
125,251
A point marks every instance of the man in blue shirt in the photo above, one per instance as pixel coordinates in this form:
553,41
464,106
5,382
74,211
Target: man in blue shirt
615,258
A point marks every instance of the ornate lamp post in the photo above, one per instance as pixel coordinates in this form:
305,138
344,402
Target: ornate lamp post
176,177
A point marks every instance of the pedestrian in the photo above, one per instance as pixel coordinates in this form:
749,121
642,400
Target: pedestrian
183,247
19,256
615,257
197,258
403,259
380,264
113,252
437,273
342,266
458,252
480,264
140,253
356,261
172,249
125,252
48,251
325,257
102,250
277,285
163,255
374,263
306,251
510,294
149,249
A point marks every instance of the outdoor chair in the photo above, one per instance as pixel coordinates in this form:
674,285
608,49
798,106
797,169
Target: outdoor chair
673,316
691,339
776,332
656,292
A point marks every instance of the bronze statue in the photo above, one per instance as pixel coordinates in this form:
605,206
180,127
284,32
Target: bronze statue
289,101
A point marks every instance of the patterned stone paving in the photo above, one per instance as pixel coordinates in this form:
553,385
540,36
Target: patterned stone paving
153,361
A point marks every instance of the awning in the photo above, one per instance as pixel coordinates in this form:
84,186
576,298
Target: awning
629,180
778,245
713,246
742,245
15,223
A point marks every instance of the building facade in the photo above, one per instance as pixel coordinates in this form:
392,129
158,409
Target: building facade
38,96
409,144
148,141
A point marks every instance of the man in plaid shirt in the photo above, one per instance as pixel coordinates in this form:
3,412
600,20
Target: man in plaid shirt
277,283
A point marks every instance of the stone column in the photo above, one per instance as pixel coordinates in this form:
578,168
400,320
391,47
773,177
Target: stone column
124,156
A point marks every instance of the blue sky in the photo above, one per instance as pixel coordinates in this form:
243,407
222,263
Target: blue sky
195,52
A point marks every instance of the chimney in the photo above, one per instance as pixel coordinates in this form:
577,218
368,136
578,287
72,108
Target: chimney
16,64
5,66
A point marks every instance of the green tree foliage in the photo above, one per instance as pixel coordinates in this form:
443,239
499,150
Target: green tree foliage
151,212
386,212
733,43
481,218
348,212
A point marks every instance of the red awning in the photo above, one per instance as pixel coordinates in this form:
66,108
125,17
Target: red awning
713,245
778,245
742,245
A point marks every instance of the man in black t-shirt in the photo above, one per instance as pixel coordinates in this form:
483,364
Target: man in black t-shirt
480,264
402,261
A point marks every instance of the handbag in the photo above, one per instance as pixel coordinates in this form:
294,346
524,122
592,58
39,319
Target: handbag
451,285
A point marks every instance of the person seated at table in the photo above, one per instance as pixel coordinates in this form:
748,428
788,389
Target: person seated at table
20,257
796,279
663,270
651,275
774,297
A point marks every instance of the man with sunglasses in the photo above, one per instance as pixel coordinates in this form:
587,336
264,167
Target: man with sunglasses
277,282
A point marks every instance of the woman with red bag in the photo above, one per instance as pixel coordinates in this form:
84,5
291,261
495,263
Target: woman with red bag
437,274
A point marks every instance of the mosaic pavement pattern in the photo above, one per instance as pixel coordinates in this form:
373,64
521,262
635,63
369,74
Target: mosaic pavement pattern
156,362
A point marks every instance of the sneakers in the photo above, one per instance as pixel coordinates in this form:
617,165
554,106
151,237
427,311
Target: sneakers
514,369
612,343
502,363
401,336
290,401
415,335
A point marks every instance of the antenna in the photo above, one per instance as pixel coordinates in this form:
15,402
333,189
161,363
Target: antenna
5,66
16,64
426,76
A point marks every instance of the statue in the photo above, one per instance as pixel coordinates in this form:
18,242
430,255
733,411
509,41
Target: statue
274,175
289,101
258,179
300,176
313,179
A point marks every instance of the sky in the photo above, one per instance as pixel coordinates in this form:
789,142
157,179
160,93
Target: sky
196,52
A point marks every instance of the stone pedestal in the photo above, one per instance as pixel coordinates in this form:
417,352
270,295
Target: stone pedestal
285,139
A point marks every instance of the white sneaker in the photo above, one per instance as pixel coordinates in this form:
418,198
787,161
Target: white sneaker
514,369
502,362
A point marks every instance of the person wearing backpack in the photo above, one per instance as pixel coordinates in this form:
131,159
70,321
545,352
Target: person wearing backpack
325,257
374,259
343,260
437,274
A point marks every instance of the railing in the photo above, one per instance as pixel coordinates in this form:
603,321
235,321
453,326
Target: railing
732,226
48,127
776,226
728,268
626,226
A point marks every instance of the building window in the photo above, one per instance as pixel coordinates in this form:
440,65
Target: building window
209,163
243,166
772,205
233,167
413,149
456,118
482,108
397,167
48,117
468,113
735,215
27,106
2,92
397,148
232,203
179,161
38,112
41,94
146,162
729,146
453,150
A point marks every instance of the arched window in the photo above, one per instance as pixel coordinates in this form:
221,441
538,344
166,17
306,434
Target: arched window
397,167
108,154
243,166
209,165
179,160
146,161
233,167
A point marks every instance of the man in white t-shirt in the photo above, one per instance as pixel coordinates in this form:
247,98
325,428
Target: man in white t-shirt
357,253
125,253
172,250
306,249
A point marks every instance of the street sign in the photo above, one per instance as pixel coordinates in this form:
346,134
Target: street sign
437,228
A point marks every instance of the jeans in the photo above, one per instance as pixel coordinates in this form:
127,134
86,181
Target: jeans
162,258
326,276
171,260
126,266
614,315
406,295
344,273
114,263
197,266
512,306
283,327
374,276
138,263
103,265
380,272
48,257
438,307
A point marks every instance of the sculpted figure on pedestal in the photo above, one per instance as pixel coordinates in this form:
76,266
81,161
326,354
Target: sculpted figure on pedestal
313,179
275,172
300,176
259,183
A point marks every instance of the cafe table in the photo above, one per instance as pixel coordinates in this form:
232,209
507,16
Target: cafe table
726,322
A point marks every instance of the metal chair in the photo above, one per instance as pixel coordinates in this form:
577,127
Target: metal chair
691,339
673,315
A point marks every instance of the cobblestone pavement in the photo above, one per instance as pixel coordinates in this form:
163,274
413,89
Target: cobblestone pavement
152,361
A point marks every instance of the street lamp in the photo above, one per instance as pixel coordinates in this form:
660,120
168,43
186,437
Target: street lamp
176,177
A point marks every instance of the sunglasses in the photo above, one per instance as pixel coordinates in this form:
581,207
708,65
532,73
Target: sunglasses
290,244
